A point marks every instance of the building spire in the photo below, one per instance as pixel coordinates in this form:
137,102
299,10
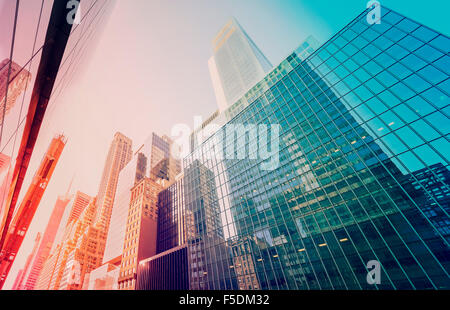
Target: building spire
70,184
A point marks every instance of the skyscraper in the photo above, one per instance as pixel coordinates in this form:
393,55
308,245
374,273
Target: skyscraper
72,213
221,116
18,78
362,140
24,214
173,218
47,242
154,160
120,153
189,218
19,283
141,230
131,174
237,64
76,255
83,258
168,269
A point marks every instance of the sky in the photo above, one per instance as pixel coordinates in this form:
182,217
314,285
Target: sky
147,71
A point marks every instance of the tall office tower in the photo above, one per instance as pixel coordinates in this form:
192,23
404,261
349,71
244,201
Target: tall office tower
47,241
19,282
18,78
24,214
359,117
237,64
173,218
221,116
119,155
141,230
134,172
153,159
75,255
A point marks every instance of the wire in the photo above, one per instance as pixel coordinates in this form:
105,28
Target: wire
28,62
11,53
75,57
23,100
50,37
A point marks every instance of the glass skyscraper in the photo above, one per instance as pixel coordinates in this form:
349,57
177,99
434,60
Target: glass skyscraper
362,173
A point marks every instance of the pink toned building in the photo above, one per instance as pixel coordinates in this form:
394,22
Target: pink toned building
46,243
141,230
16,78
19,282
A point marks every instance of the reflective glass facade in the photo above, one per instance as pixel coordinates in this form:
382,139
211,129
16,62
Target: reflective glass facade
362,174
165,271
172,218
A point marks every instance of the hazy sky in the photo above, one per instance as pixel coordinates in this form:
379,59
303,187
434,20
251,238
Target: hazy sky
149,71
